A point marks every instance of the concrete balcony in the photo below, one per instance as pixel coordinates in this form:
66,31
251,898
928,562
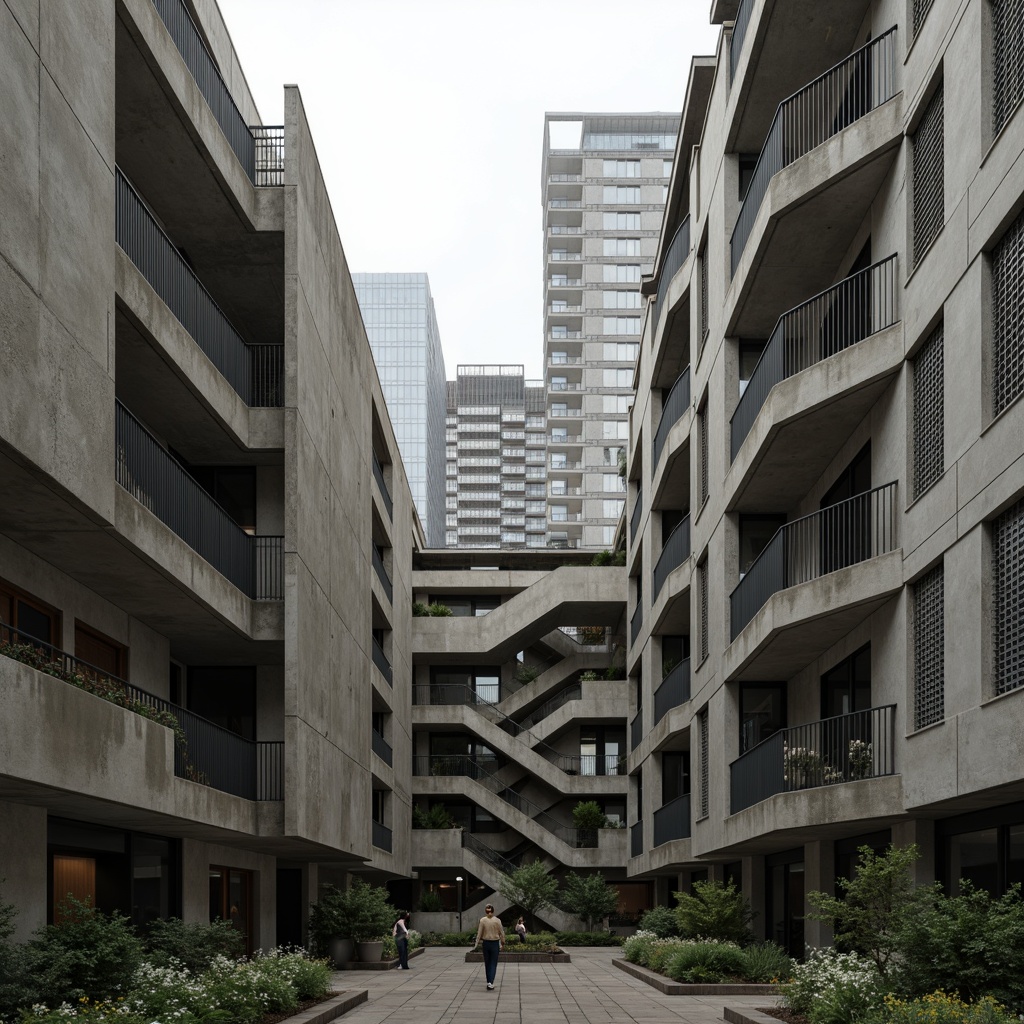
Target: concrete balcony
672,296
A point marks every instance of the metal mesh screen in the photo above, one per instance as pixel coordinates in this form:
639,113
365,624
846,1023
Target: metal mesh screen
702,417
929,209
1008,574
1008,59
921,9
1008,316
702,596
929,413
704,763
929,659
704,325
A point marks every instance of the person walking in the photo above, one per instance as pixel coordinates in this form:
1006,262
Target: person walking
521,930
491,934
400,933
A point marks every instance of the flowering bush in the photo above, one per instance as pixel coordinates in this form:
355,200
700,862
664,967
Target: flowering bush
96,1011
706,962
861,759
636,948
940,1008
834,988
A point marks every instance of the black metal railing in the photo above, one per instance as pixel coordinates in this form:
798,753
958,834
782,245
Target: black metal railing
739,33
378,475
382,574
636,621
572,692
847,748
636,839
254,371
269,154
673,691
838,536
672,820
381,747
204,752
636,729
380,659
820,110
485,853
674,552
151,475
675,257
824,325
634,518
381,836
676,403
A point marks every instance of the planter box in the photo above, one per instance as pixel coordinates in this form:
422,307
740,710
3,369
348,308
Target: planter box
523,958
326,1011
680,988
377,965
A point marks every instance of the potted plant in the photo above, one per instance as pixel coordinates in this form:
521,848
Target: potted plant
329,932
371,917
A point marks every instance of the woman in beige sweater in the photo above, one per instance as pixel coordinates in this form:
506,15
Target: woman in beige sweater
492,935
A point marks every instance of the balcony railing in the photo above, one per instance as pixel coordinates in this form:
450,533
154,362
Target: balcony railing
565,204
820,110
678,250
255,372
485,852
204,752
636,621
634,517
151,475
841,535
675,551
847,748
565,229
572,692
636,729
739,32
380,659
574,283
258,149
828,323
378,475
565,177
381,836
676,403
672,820
636,839
382,574
381,747
558,257
673,691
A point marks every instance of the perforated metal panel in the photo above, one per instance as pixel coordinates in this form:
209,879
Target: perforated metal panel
929,208
702,596
703,763
1008,317
1008,575
702,417
704,324
929,412
1007,59
929,641
921,9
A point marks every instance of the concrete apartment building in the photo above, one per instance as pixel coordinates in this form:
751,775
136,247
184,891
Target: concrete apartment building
495,445
826,481
603,184
401,324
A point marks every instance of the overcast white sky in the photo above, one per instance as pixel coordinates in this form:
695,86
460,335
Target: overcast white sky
428,118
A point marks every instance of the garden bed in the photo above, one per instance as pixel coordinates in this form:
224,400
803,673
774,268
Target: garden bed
679,988
561,957
376,965
323,1010
747,1016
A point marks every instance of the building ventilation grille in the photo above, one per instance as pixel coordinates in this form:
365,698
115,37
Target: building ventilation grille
1008,573
921,9
705,487
704,763
929,413
704,325
702,582
929,657
929,208
1008,327
1008,59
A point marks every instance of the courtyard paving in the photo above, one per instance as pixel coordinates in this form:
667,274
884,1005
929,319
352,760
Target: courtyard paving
442,989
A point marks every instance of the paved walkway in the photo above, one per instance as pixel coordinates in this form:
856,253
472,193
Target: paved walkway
442,989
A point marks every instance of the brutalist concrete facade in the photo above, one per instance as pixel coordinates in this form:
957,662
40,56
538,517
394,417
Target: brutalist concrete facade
825,466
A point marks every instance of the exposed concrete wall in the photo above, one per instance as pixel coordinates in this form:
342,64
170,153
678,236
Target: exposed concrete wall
23,863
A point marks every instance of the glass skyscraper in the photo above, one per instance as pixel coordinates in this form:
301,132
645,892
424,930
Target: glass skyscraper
398,312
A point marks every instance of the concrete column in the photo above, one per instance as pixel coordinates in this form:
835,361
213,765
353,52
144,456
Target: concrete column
23,866
753,889
819,876
922,832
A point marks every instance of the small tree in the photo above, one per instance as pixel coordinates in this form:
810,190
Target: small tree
589,897
587,818
530,887
714,910
868,912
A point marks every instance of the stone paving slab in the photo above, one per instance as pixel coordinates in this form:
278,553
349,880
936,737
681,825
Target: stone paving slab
440,988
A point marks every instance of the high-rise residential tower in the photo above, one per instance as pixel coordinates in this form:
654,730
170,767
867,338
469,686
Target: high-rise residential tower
398,312
495,476
603,187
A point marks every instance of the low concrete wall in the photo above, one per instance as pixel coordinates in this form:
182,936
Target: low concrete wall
678,988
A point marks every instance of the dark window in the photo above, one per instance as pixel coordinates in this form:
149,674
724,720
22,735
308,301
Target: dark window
1008,577
747,166
675,775
847,687
602,750
226,696
755,533
762,712
749,356
233,488
1007,329
784,901
985,847
28,616
1007,59
231,900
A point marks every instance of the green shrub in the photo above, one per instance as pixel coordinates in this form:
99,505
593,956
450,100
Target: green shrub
419,610
661,921
714,910
588,939
824,971
449,938
192,945
15,985
86,1011
439,611
602,558
430,902
637,947
661,952
435,817
88,955
939,1008
767,962
619,558
706,962
527,673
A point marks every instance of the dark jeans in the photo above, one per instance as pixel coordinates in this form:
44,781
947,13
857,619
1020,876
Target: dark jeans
491,947
403,952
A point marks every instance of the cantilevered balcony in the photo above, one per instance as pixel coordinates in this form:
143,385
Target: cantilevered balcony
823,326
672,820
847,748
381,836
674,552
381,747
636,729
821,109
380,659
635,515
636,839
839,536
676,403
378,475
382,574
255,372
673,691
147,471
675,257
